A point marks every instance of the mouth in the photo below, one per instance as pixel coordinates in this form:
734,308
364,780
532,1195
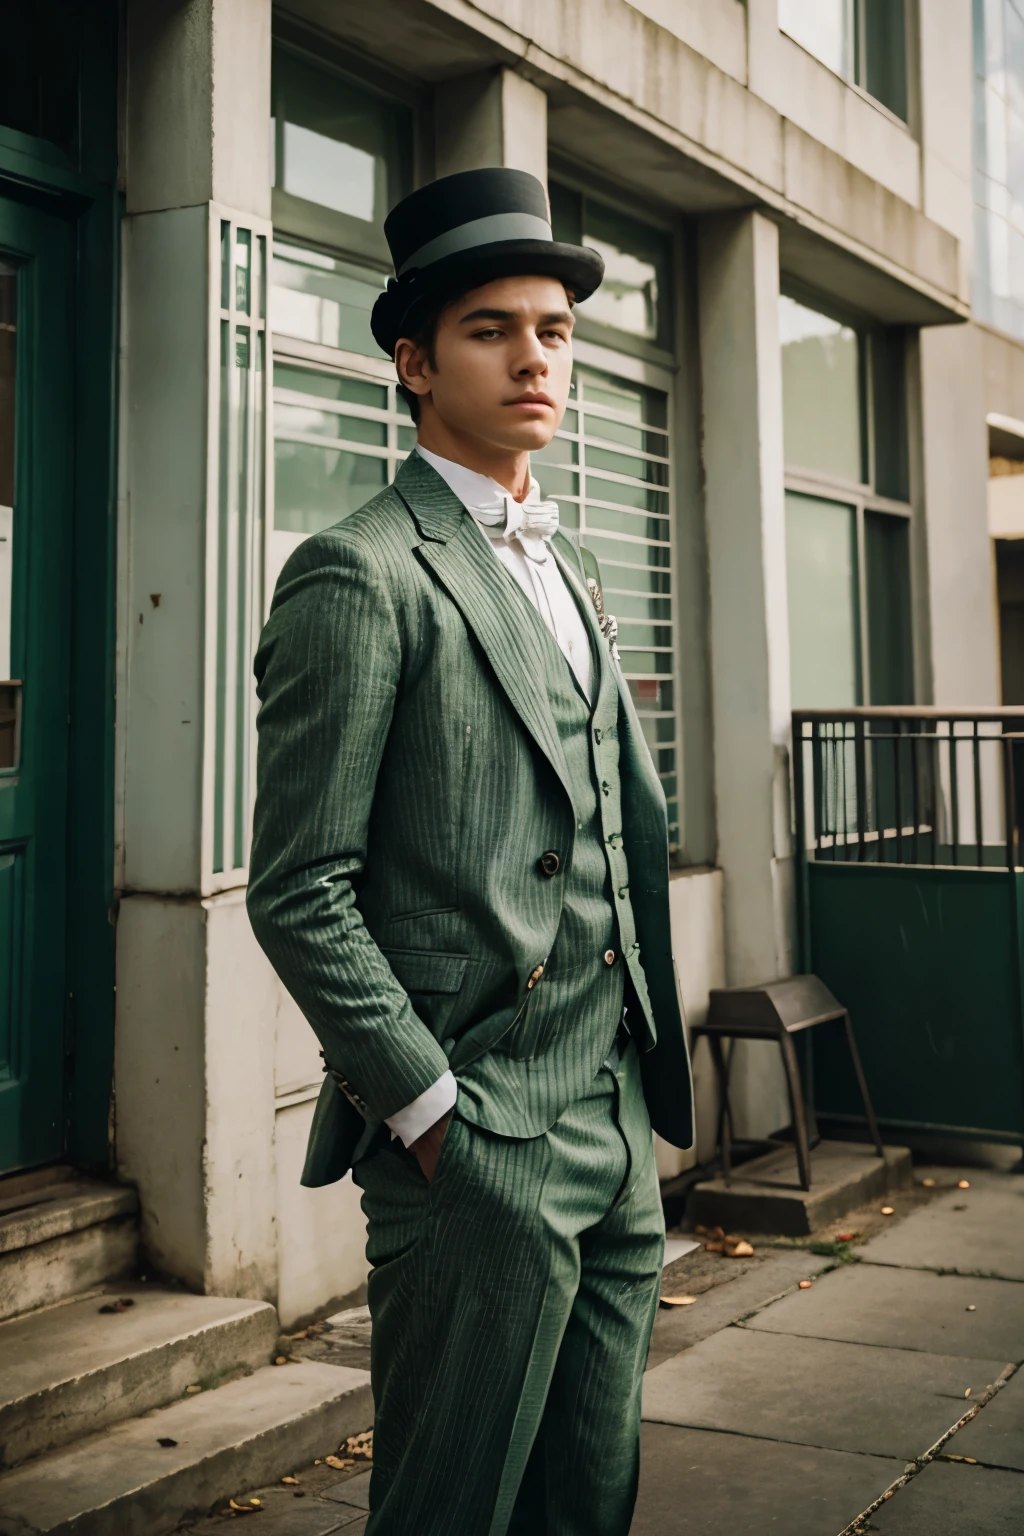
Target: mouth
532,402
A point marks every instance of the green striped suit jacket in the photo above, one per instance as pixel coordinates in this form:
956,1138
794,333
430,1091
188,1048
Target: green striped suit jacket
410,774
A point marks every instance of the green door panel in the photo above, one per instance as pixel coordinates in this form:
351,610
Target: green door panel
36,491
927,960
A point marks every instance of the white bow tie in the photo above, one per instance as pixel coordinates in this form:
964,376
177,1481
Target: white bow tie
532,522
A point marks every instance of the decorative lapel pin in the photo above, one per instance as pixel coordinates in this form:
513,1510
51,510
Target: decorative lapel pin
606,622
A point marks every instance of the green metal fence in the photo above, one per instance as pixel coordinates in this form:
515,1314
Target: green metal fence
911,910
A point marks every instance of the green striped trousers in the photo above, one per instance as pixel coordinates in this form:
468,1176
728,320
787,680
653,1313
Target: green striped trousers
512,1302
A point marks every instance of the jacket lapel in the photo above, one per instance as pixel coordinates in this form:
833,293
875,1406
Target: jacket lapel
456,552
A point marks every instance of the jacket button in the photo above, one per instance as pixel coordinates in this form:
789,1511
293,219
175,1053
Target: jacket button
550,863
609,957
535,976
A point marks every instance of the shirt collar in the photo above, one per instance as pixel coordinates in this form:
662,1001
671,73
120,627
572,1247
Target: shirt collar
472,489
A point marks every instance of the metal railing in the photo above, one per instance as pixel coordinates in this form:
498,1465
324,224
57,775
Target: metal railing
910,785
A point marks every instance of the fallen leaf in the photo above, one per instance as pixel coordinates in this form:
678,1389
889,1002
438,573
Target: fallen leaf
337,1463
714,1247
928,1183
805,1285
256,1503
963,1184
241,1509
677,1301
847,1237
968,1392
887,1210
317,1462
166,1441
290,1480
972,1309
972,1461
120,1305
191,1391
281,1360
737,1248
700,1230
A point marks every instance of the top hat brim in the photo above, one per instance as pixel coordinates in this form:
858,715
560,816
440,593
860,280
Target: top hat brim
395,315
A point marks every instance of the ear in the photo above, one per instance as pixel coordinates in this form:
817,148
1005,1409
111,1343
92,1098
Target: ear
413,366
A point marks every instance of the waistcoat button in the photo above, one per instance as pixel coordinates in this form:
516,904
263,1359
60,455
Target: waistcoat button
609,957
549,862
597,734
535,976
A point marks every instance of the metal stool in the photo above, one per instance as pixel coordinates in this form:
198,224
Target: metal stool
776,1011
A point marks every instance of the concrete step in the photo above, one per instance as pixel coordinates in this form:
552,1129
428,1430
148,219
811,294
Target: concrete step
61,1234
72,1369
239,1436
764,1195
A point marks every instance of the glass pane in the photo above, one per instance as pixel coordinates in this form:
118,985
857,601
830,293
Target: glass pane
243,274
889,403
335,144
887,569
824,28
306,419
8,373
317,487
556,482
824,639
635,294
821,392
330,386
884,72
318,298
626,464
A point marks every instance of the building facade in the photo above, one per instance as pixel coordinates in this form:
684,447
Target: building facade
807,351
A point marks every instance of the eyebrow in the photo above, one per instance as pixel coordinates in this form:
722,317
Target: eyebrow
556,317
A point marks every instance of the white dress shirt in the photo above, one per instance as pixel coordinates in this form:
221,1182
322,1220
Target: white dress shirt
533,567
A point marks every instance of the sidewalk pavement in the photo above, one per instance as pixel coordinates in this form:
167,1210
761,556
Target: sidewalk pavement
881,1398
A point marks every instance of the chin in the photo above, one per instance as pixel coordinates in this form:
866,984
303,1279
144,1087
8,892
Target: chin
528,436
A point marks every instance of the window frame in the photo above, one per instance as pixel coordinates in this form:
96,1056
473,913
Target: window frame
856,44
860,496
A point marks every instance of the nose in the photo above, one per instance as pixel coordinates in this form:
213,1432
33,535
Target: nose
532,362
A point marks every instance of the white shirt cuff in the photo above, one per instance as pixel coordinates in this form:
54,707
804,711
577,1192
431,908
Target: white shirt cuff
410,1123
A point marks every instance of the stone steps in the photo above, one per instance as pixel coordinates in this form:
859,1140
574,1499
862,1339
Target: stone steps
72,1369
243,1434
62,1234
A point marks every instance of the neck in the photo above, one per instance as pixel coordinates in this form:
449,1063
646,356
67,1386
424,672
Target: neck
509,467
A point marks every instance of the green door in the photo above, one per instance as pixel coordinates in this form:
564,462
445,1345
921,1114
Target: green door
36,529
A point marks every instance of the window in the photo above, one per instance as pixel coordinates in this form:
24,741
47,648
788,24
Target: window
635,298
864,41
847,510
999,163
343,156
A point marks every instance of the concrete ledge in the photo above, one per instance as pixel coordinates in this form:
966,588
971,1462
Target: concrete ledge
71,1370
764,1195
244,1434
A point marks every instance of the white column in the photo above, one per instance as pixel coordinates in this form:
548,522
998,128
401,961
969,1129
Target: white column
497,118
194,1061
745,510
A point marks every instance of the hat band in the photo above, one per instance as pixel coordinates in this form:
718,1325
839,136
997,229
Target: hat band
486,231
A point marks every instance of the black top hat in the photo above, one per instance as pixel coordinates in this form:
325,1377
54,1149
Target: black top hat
465,230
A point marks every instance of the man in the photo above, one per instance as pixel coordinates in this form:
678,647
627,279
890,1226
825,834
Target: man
460,871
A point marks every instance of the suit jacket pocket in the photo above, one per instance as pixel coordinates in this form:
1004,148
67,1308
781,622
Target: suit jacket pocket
432,979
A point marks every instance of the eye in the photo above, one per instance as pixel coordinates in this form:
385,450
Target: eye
488,333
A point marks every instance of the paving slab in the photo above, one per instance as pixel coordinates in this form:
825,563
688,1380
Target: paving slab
708,1484
996,1435
852,1397
726,1290
976,1231
355,1491
764,1195
951,1498
906,1309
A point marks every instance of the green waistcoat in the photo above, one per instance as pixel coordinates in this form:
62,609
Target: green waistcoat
571,1014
